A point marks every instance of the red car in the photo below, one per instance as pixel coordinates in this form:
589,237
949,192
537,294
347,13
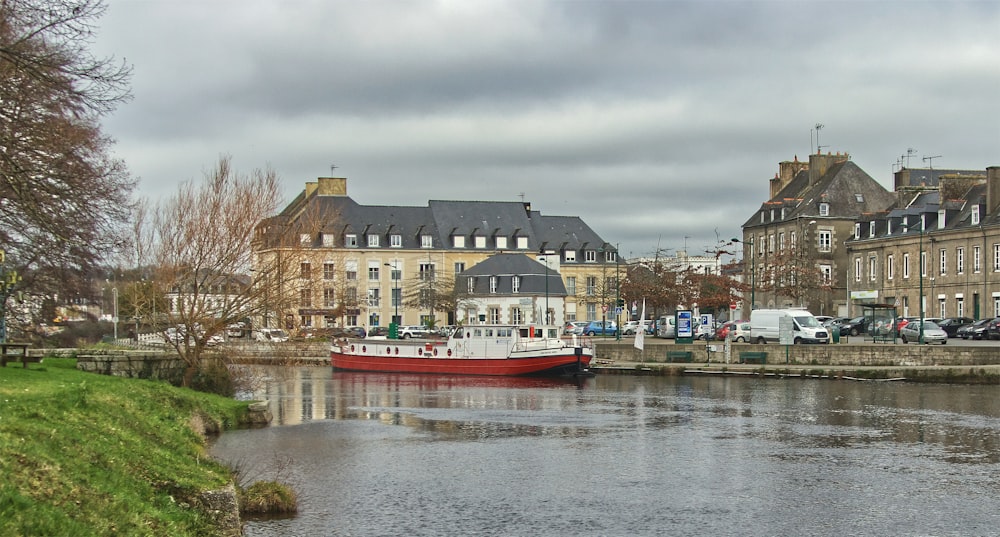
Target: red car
723,331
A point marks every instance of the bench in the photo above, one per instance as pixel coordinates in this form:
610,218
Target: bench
884,338
14,352
753,357
680,356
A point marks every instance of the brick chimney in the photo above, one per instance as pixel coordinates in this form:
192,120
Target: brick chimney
787,170
819,164
992,189
954,186
328,186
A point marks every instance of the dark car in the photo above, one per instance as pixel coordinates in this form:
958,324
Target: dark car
952,324
855,326
378,331
976,330
992,329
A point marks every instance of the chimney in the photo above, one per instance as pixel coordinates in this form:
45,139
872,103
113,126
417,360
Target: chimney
954,186
992,189
330,186
819,164
787,170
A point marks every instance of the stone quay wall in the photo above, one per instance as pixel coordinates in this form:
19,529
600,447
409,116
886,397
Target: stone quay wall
875,354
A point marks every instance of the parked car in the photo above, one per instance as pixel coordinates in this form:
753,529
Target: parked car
723,331
378,332
630,328
740,331
406,332
855,326
272,335
975,330
600,328
704,331
952,324
574,328
993,329
932,333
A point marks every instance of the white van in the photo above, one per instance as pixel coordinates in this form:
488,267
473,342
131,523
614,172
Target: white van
805,327
666,327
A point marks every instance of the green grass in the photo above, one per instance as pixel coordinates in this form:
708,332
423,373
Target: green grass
85,454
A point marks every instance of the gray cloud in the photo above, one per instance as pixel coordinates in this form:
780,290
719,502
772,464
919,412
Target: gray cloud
653,121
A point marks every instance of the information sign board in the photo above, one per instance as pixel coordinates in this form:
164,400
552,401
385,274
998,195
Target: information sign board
685,327
786,330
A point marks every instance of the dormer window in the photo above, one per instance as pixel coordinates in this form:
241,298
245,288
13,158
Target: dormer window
480,241
569,256
857,230
824,209
458,241
396,241
591,256
351,240
522,243
871,229
373,241
942,221
772,215
860,198
975,215
328,240
888,227
427,241
501,243
472,285
610,256
515,284
305,239
493,285
762,217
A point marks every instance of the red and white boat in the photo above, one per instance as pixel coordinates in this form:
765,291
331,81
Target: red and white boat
496,350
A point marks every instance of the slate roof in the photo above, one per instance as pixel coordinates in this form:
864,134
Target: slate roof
505,266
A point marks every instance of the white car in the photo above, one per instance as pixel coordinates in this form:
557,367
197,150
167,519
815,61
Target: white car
273,335
932,333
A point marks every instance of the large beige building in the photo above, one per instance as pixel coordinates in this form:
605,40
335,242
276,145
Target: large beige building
368,265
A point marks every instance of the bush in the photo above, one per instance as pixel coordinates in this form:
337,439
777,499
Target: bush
268,497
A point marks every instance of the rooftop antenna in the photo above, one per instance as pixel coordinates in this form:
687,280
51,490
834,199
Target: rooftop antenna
909,153
930,161
333,167
819,148
522,196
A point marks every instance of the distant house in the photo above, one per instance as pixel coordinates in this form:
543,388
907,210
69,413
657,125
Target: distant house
794,244
512,288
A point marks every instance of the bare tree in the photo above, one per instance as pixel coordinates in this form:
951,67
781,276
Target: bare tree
205,259
64,198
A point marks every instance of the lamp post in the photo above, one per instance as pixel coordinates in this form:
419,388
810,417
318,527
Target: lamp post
753,270
545,256
394,325
618,298
921,260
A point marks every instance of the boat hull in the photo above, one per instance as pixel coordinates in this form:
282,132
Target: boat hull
548,365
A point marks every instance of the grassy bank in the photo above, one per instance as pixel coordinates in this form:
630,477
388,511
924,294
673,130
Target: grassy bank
84,454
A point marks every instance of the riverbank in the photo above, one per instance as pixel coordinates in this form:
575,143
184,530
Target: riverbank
85,454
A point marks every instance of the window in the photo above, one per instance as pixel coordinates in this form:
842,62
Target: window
942,262
996,258
493,284
592,308
516,316
426,272
305,298
610,256
328,240
305,239
351,296
494,315
373,273
857,230
459,267
941,307
395,241
329,271
472,285
888,227
906,266
976,264
890,267
791,240
857,269
373,297
305,270
824,209
329,298
395,274
860,198
480,241
826,274
942,218
427,241
871,229
781,241
305,320
351,240
569,256
457,241
923,263
960,307
770,243
571,285
373,241
501,243
591,285
760,239
975,215
522,243
590,256
824,240
872,268
515,284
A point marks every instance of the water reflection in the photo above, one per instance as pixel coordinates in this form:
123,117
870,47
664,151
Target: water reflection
619,455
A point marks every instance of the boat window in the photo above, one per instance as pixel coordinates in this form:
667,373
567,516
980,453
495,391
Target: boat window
489,332
478,332
524,332
553,333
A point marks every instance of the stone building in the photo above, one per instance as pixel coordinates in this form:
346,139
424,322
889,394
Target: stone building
512,288
364,264
936,250
794,250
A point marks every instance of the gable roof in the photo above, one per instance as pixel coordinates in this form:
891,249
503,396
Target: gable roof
504,266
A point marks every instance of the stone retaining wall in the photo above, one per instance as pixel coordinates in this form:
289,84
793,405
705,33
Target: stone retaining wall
154,365
828,355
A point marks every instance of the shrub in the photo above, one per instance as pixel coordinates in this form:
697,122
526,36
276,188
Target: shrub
268,497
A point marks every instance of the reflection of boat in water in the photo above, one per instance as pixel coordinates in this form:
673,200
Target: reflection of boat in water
490,350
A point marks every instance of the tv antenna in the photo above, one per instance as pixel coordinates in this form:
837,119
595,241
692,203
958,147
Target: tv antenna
909,153
930,161
333,167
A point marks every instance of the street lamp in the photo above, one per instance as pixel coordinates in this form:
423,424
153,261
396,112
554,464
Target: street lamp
394,325
545,255
618,298
922,260
753,270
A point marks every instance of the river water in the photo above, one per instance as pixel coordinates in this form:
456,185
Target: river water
374,454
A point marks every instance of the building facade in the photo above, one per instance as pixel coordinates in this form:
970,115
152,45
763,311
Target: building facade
370,264
936,251
794,252
514,289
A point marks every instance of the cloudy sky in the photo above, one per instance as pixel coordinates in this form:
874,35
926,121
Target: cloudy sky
657,122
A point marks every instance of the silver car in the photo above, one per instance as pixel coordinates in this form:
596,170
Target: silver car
932,332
